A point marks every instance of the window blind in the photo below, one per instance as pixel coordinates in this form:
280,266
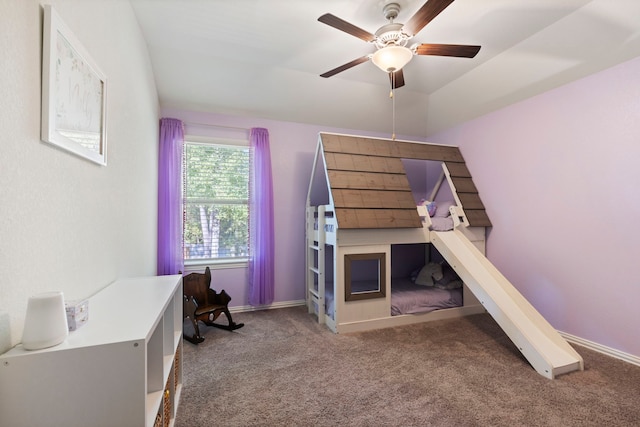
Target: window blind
216,192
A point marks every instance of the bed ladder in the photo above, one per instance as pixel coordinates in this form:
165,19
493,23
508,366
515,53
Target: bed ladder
315,262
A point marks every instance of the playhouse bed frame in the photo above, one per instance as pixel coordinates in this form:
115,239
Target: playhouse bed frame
366,207
360,204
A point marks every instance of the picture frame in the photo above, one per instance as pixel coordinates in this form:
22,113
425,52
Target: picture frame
74,93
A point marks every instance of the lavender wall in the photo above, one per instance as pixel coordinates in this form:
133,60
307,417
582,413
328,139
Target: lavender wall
560,177
292,151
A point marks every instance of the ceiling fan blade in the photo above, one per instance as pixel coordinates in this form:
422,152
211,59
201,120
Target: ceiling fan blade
458,50
396,79
342,25
345,66
424,15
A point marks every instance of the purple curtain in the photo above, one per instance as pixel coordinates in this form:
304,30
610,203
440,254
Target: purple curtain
261,247
170,197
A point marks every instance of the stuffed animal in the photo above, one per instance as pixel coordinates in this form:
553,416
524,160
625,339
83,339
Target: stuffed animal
430,272
440,276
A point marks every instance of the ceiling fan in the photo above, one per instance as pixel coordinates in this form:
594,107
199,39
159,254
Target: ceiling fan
391,40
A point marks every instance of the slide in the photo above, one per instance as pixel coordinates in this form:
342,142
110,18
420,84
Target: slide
548,353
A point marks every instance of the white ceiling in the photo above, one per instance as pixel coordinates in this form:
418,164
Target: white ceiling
263,58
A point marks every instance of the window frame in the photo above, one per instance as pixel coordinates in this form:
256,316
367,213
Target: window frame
196,265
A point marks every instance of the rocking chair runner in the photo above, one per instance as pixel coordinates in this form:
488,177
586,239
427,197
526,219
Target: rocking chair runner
201,303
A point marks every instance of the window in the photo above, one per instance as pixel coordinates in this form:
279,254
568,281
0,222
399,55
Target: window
365,276
216,201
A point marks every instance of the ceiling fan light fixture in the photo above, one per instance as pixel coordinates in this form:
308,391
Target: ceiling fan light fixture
392,58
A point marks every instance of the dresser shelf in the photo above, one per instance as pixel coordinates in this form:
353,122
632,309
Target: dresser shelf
122,368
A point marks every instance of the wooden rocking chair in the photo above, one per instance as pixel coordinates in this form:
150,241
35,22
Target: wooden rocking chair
201,303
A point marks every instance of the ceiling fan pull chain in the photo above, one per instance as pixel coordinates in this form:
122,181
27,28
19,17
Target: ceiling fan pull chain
393,106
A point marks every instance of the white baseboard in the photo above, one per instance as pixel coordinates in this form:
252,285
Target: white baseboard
283,304
608,351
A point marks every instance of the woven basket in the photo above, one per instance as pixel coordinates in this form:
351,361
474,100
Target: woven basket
176,369
158,421
167,407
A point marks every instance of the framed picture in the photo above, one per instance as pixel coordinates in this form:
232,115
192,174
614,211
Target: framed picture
74,93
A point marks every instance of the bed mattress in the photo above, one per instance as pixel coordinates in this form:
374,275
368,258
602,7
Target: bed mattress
409,298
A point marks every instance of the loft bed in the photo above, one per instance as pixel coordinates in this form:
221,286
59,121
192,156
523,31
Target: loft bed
360,204
433,291
433,286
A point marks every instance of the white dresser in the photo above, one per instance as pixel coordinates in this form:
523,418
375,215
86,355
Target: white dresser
123,368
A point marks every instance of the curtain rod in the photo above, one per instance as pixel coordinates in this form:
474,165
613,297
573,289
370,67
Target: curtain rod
215,126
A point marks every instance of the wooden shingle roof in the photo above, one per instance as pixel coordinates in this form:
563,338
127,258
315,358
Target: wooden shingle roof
369,186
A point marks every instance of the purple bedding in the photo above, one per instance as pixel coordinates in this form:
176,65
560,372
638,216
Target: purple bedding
409,298
441,224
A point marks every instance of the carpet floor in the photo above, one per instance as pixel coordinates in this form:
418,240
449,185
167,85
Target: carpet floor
284,369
